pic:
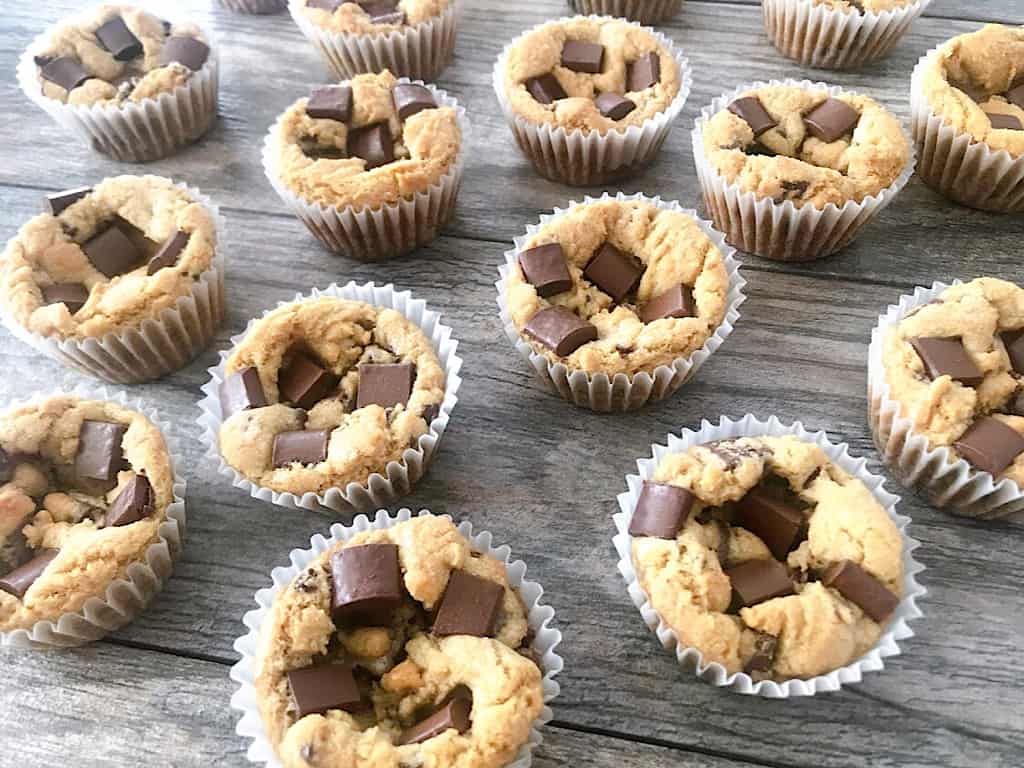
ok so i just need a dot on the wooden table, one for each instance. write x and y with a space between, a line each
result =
538 473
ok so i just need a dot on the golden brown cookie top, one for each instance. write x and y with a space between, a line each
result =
378 17
861 6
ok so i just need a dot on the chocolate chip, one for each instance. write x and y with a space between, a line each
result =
332 102
59 202
112 252
860 587
169 252
560 330
453 715
764 653
772 520
758 149
546 89
581 56
990 445
614 272
325 5
545 268
385 384
614 106
373 144
661 511
367 585
116 38
304 383
675 302
187 51
831 120
1004 122
470 606
1016 96
134 502
300 447
1014 343
316 690
241 391
792 190
71 295
643 73
65 71
18 581
411 99
755 581
752 111
100 456
947 357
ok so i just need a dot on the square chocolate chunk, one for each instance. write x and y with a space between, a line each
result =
411 99
643 73
1014 343
756 581
546 89
545 268
316 690
990 445
372 144
560 330
470 606
860 587
241 391
770 518
71 295
661 511
831 120
116 38
581 56
947 357
385 384
18 581
614 272
134 502
1004 122
300 447
112 252
367 585
752 111
187 51
59 202
66 72
332 102
454 715
676 302
304 383
169 252
100 456
614 106
1016 96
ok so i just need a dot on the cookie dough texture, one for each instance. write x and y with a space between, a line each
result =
943 409
42 507
989 62
818 630
673 249
112 81
340 335
426 146
539 52
48 250
871 6
352 19
506 685
807 170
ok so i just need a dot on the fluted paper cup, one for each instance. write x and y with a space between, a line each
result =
398 477
949 484
587 158
598 391
897 627
394 229
124 598
545 637
642 11
419 52
156 346
781 231
829 38
258 7
955 165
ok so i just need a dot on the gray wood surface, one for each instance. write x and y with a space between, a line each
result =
538 473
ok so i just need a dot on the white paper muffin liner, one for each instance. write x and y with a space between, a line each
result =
691 658
949 484
957 166
258 7
588 158
419 52
546 637
642 11
158 345
394 229
819 36
781 231
125 598
598 391
134 132
399 477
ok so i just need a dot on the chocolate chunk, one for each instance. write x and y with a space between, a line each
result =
614 106
100 456
947 357
385 384
326 5
545 268
560 329
367 585
134 502
431 412
1014 343
614 272
187 51
7 464
755 581
1004 122
831 120
990 445
315 690
771 519
303 383
644 72
661 511
71 295
42 60
59 202
1016 96
18 581
455 714
675 302
860 587
397 17
332 102
752 111
373 144
115 37
791 190
112 252
546 89
581 56
759 149
470 606
378 8
241 391
410 99
65 71
169 252
764 653
1017 406
300 447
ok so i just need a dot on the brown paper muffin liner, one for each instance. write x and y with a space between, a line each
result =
781 231
158 345
957 166
599 391
399 477
949 484
259 7
394 229
642 11
419 52
589 158
829 38
125 598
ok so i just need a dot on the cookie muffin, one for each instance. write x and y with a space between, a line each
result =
87 486
642 11
399 646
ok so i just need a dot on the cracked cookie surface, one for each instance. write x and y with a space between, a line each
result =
354 19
